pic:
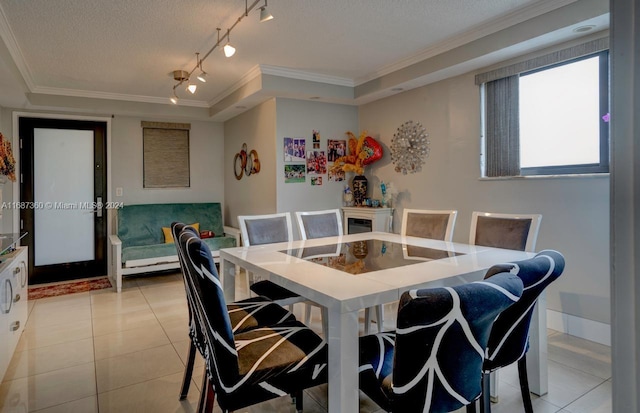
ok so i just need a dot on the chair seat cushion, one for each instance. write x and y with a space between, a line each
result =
256 312
276 360
271 290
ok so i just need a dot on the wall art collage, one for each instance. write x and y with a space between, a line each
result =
314 162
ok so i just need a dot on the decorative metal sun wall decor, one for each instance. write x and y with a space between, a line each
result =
409 147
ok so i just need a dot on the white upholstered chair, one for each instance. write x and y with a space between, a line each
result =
423 223
429 223
510 231
319 224
269 229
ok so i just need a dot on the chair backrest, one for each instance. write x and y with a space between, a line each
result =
440 341
429 223
194 331
212 315
265 229
509 337
510 231
319 224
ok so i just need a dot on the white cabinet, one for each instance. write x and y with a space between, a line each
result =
13 303
362 219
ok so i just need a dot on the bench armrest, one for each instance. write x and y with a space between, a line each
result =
234 232
115 275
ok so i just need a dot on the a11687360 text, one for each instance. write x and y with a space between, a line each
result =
90 206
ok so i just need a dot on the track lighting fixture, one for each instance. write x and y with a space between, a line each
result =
264 14
229 50
182 76
203 75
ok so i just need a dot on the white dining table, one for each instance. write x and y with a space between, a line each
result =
394 264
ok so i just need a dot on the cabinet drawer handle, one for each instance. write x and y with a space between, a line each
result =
16 271
15 326
8 294
24 276
16 298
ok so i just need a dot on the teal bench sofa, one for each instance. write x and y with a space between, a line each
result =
138 245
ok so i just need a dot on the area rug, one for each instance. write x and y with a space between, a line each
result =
68 287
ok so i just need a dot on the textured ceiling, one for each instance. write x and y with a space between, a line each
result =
126 50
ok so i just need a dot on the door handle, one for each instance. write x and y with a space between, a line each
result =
99 207
15 326
16 298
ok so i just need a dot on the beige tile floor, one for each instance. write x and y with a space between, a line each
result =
108 352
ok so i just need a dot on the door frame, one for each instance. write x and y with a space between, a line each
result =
16 186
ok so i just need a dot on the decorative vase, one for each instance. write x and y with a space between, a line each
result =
359 185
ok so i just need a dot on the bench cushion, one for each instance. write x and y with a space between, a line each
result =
142 224
136 253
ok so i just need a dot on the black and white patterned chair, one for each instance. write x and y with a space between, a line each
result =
244 315
254 366
509 339
433 361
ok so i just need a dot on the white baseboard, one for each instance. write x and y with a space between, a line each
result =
579 327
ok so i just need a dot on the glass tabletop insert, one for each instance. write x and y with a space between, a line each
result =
359 257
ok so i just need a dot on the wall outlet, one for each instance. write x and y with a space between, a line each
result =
118 191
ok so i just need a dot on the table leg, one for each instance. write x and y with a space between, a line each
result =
228 279
537 366
343 361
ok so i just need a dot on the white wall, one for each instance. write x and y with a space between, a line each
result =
264 128
255 194
206 143
575 210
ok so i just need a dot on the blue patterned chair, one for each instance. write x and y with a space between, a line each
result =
509 339
244 315
254 366
433 361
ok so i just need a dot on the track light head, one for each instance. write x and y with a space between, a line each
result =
229 50
203 75
192 87
265 16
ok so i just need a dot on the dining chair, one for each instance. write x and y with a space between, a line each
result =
422 223
244 315
509 338
433 361
246 368
319 224
268 229
429 223
510 231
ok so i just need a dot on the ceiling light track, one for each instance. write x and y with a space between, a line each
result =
182 76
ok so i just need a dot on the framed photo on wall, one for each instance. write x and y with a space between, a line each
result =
294 149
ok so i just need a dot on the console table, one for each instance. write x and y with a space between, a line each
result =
363 219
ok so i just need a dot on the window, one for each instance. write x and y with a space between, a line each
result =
541 117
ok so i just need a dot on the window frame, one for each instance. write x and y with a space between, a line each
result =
593 168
